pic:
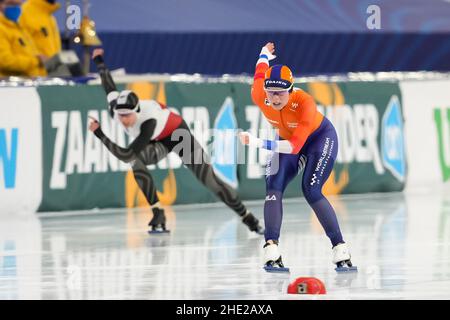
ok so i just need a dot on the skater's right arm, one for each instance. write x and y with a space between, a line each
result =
134 149
107 80
258 94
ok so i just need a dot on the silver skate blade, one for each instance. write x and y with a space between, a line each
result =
158 231
276 269
346 269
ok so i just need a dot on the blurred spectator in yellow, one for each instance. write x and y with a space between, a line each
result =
38 20
18 54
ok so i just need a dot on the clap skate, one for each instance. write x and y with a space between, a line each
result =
273 259
341 258
158 222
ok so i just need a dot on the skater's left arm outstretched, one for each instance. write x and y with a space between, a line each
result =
125 154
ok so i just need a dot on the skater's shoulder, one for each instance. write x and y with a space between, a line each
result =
301 101
149 103
300 95
152 104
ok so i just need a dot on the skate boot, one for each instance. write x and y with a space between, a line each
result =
272 258
341 257
252 223
158 222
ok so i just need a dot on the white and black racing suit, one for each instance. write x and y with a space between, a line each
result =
155 139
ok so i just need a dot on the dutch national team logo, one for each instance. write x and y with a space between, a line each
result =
392 140
225 148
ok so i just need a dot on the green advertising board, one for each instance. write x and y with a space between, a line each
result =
79 173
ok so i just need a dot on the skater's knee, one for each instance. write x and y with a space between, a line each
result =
216 185
211 181
312 193
274 195
137 163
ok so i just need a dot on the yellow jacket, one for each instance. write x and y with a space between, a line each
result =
38 20
18 54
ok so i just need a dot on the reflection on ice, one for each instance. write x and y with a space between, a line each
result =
399 242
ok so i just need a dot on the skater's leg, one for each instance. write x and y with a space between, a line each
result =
321 153
195 158
312 190
280 170
150 155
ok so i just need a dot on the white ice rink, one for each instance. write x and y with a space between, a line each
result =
400 243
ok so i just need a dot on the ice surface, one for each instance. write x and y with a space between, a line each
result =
400 243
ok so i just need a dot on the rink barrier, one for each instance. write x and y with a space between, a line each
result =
20 150
77 173
427 113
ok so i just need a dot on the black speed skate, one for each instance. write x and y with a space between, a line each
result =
158 222
252 223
